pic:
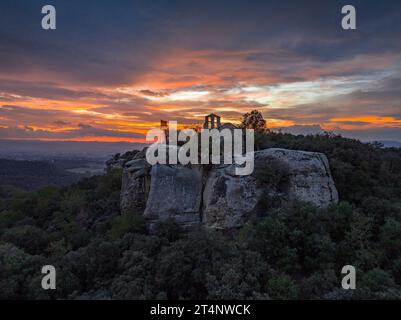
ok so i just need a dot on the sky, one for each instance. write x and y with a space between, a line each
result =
113 69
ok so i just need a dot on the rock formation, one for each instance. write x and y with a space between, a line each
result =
214 196
119 160
309 175
175 192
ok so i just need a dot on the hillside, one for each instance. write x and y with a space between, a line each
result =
292 250
30 175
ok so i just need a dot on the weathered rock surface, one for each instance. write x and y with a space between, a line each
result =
214 195
135 184
119 160
175 192
309 175
228 200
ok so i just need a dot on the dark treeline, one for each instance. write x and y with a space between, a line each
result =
290 251
30 175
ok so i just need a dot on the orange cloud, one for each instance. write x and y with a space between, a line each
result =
365 122
185 85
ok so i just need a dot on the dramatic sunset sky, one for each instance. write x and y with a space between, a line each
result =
113 69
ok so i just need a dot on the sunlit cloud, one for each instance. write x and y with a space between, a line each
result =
197 59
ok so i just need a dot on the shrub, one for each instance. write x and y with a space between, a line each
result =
282 287
127 223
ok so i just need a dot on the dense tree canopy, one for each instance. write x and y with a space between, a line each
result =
290 251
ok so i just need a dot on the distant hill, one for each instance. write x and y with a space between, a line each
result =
30 175
39 150
31 164
390 144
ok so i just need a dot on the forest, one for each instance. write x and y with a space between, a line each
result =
292 250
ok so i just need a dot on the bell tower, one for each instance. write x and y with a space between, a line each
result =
212 121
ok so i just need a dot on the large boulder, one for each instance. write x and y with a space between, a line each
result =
135 185
229 200
175 193
309 175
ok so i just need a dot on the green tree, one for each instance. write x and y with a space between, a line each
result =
253 120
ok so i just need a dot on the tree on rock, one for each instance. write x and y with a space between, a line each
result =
253 120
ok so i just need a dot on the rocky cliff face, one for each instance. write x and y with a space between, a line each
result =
175 192
215 196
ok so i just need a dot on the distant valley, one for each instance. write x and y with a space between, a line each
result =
29 165
29 175
45 150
